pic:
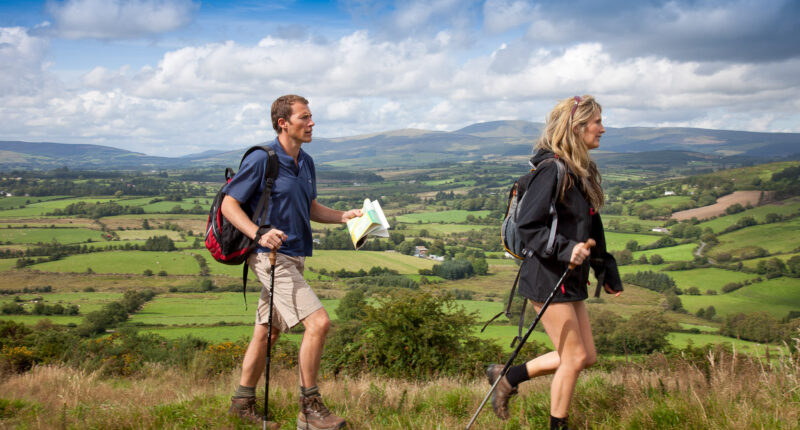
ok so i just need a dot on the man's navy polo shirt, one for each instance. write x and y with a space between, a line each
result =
290 205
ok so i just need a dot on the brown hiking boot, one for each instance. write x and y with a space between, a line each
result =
314 415
502 392
245 408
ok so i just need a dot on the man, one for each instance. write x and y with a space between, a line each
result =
292 205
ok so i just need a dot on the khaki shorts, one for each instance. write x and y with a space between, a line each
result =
294 300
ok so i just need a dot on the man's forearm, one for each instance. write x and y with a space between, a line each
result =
324 214
232 210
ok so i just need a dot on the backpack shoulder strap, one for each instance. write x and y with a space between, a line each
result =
270 174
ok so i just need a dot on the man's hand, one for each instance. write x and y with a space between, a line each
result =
273 239
352 213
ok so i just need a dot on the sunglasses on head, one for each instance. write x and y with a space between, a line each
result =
577 99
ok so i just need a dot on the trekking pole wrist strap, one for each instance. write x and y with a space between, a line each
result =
264 229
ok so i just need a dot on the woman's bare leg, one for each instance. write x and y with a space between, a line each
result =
561 322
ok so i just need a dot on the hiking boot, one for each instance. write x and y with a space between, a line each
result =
502 392
245 409
314 415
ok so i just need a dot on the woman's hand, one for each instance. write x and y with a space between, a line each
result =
610 291
579 253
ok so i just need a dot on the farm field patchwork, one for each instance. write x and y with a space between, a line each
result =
710 278
783 208
775 296
775 238
448 216
681 340
17 201
146 234
753 263
44 207
666 201
683 252
47 235
174 263
617 241
442 228
7 263
630 223
332 260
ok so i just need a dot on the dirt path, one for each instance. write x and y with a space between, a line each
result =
718 208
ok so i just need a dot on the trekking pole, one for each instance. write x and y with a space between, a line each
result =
272 257
589 243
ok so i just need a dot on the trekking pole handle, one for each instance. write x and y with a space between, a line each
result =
273 255
589 244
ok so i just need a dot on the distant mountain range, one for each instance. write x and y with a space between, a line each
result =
491 141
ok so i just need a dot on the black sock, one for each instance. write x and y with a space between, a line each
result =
558 423
517 375
243 391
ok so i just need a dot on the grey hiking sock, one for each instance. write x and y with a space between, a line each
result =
243 391
309 392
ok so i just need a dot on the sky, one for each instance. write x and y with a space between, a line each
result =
175 77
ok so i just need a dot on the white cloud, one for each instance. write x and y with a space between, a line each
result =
118 19
22 57
216 95
502 15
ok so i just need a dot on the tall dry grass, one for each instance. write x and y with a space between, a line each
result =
720 391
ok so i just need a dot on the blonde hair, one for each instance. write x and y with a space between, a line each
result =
563 136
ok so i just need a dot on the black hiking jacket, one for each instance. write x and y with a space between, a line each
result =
577 222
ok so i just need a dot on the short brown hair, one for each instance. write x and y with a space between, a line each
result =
282 108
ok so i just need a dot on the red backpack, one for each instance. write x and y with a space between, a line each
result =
225 242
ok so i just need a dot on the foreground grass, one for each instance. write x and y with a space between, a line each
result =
712 391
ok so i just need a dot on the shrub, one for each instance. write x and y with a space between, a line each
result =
410 334
16 359
655 281
159 243
454 269
643 333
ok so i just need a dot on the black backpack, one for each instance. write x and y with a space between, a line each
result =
512 240
225 242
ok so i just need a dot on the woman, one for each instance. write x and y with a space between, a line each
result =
573 128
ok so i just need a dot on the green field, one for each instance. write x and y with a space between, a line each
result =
775 238
7 263
146 234
631 223
667 202
683 252
353 261
708 278
681 340
449 216
753 264
87 302
41 208
786 207
47 235
174 263
17 201
217 334
440 228
167 217
775 296
617 241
